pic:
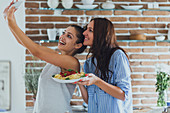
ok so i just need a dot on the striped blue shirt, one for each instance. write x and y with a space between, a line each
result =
101 102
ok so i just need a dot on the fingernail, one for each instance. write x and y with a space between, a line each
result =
75 82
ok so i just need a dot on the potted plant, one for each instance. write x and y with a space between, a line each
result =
31 80
162 84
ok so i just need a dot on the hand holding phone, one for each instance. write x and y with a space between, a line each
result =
16 4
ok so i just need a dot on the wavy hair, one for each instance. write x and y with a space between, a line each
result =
104 45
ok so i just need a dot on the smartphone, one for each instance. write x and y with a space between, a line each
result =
17 4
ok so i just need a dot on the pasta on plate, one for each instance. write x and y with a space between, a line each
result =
69 75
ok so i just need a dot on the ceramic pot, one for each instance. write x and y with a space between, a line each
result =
53 3
67 4
108 5
87 2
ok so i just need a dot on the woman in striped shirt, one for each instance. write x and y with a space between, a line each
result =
108 86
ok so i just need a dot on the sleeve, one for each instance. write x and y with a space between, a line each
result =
122 73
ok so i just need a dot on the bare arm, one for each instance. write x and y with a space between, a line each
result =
64 61
84 93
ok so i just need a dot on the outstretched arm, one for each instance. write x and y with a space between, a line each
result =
46 54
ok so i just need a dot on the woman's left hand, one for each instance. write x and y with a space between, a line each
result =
92 79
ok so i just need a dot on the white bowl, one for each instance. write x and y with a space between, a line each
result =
160 38
87 2
132 6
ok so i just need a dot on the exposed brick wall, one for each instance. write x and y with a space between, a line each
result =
143 54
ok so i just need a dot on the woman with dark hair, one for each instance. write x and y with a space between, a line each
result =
52 97
108 86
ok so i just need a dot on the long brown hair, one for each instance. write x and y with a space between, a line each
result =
104 45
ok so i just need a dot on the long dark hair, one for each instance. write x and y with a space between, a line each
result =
80 36
104 45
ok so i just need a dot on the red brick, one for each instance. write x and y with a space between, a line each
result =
148 31
74 19
164 56
32 19
28 97
156 13
62 25
133 50
143 56
134 63
163 44
121 31
148 101
50 44
32 32
33 26
38 12
135 76
163 19
142 19
144 95
135 89
122 43
136 102
92 12
73 12
153 0
31 5
141 43
127 13
54 19
155 50
149 76
152 62
152 25
125 0
29 104
118 19
143 69
76 102
148 89
126 25
76 97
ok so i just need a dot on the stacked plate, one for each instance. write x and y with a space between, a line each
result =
86 6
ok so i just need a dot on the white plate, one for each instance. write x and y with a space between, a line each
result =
167 8
86 6
132 6
68 81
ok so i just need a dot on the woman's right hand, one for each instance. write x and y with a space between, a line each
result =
6 10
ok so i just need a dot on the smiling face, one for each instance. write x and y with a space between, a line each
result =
67 41
89 34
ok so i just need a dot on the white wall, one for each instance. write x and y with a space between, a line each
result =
10 50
